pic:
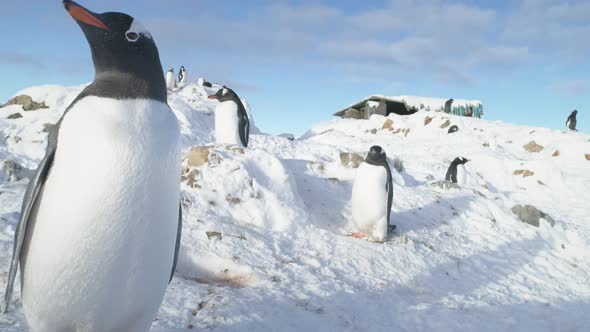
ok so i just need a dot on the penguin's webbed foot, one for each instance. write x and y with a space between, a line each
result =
358 235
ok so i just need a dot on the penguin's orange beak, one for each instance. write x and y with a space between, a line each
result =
213 97
81 14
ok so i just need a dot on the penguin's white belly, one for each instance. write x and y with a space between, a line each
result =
369 201
461 175
100 253
226 123
170 80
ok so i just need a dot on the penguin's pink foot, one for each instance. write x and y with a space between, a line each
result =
358 235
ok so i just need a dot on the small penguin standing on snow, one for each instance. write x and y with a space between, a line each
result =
170 79
457 172
182 75
372 195
231 120
97 239
571 121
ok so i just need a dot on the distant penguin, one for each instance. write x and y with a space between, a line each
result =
170 80
571 121
449 106
457 172
97 239
372 196
182 75
231 120
453 129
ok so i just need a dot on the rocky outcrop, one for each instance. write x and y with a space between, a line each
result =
388 124
531 215
453 129
26 102
532 146
351 160
446 185
445 124
12 172
556 153
427 120
524 172
197 156
587 156
15 116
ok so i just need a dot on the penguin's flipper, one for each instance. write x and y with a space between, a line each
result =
31 195
389 190
244 130
177 246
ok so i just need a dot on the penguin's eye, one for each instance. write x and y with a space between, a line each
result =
132 36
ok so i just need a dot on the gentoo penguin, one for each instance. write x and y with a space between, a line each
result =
231 120
571 121
448 106
99 230
372 195
182 75
170 80
456 172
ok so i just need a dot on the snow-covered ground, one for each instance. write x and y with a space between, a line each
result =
265 242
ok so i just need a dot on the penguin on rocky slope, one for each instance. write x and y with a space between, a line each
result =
99 231
456 172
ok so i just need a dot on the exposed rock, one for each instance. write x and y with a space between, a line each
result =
531 215
15 116
524 172
353 160
446 185
396 131
47 127
373 131
556 153
198 156
486 145
26 102
587 156
541 182
290 137
532 146
398 164
211 235
12 172
427 120
388 124
233 200
189 175
335 180
406 131
316 167
235 149
445 124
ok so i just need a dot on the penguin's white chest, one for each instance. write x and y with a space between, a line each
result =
227 123
101 250
461 175
170 80
369 201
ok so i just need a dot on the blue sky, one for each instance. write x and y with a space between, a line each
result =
297 62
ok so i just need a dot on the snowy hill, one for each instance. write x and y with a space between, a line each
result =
265 241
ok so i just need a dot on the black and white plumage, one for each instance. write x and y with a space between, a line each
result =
372 196
571 121
456 172
182 75
100 226
232 125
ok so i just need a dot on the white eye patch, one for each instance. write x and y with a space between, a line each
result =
224 92
135 31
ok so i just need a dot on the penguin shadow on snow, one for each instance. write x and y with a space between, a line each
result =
430 215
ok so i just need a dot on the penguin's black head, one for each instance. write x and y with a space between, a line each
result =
461 160
376 155
119 44
575 112
224 94
181 68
